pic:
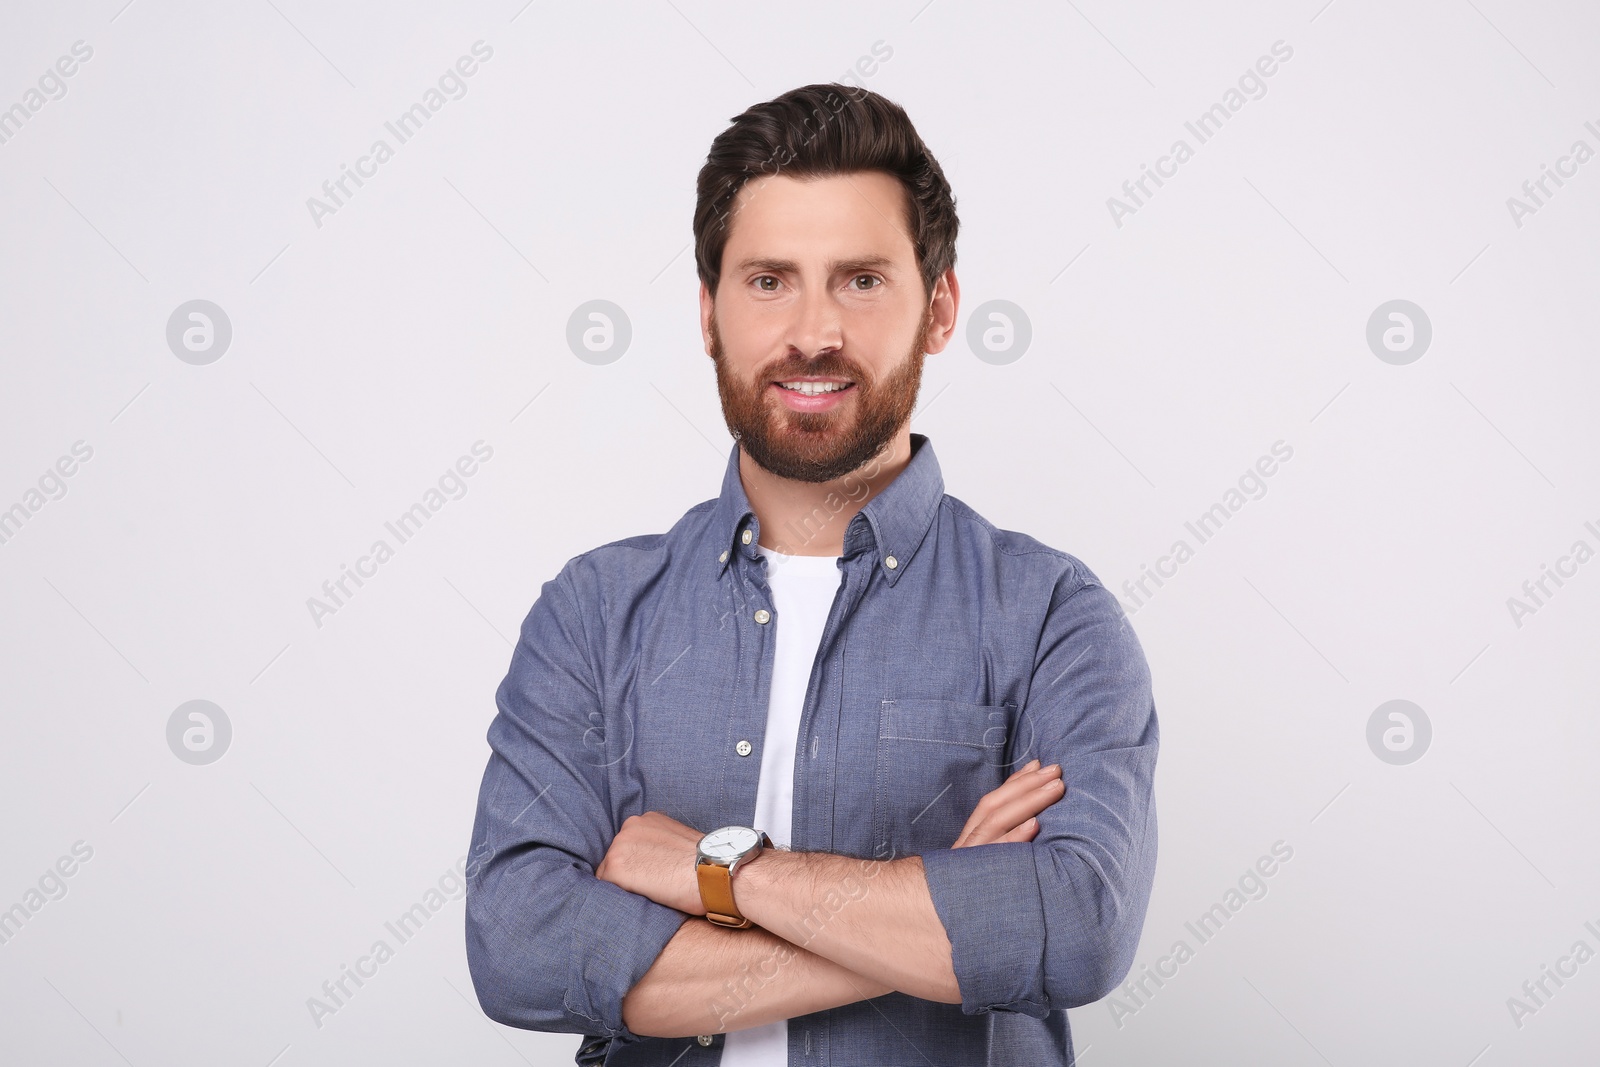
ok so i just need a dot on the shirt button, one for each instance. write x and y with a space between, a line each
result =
704 1039
747 536
763 616
743 748
724 557
890 562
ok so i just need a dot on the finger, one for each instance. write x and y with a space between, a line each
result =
1025 832
1018 785
1014 810
973 836
1003 825
1031 765
1021 782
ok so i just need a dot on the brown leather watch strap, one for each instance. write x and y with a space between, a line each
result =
716 892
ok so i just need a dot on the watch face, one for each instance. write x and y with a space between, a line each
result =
729 842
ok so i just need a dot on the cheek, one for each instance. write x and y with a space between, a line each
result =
882 348
745 351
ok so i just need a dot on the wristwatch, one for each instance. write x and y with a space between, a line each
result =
720 853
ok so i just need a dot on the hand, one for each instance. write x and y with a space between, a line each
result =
1006 813
653 855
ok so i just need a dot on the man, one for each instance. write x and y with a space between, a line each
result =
784 785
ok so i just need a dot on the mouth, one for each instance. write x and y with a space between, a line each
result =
814 386
813 394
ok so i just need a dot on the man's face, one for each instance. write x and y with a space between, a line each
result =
820 284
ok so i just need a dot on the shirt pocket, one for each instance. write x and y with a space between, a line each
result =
936 760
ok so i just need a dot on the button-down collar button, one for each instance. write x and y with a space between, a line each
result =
743 748
704 1039
890 562
763 616
724 557
746 536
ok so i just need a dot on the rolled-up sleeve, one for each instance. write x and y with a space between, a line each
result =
1054 922
550 946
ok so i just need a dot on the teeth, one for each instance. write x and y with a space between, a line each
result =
814 388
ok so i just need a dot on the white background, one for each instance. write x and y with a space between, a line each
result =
1168 353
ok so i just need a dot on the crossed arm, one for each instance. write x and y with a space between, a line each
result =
558 945
830 930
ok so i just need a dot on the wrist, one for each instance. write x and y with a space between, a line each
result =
720 861
751 876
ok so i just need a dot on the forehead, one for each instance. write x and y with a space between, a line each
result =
857 212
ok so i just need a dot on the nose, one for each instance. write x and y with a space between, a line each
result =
816 328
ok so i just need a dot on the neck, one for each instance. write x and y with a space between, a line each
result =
809 518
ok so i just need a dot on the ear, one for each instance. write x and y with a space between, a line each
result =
707 308
946 303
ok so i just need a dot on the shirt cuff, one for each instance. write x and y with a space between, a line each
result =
616 938
988 898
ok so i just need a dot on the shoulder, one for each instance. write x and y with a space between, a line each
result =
630 562
1020 555
1055 590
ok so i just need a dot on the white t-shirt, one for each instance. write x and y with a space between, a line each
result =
803 588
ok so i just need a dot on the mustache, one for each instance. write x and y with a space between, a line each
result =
821 367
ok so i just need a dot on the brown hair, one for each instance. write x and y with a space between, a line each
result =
817 131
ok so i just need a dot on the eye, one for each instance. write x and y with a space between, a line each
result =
765 278
869 277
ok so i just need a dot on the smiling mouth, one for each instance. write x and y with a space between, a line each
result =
804 387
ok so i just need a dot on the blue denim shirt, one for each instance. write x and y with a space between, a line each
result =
955 652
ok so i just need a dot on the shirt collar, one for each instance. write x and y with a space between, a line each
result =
892 525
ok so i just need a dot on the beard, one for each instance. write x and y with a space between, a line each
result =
819 446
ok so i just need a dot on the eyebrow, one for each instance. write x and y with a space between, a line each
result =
789 266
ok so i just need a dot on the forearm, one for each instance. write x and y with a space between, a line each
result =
709 979
873 917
